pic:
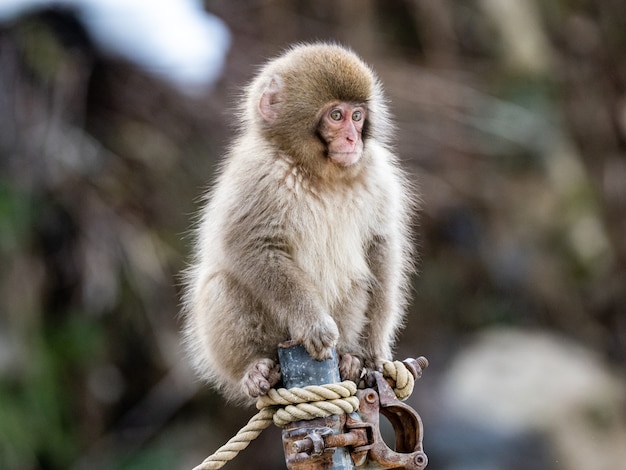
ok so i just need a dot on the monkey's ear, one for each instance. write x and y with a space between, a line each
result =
270 101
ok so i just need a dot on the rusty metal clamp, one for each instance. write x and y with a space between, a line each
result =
406 423
354 440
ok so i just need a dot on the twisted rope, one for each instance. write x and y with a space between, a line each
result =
314 401
239 441
402 377
283 406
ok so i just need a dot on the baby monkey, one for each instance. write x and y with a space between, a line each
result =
305 235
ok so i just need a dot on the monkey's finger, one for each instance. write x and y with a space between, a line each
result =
318 351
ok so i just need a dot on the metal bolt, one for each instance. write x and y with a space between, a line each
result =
420 459
302 445
416 366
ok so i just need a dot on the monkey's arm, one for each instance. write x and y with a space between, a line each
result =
262 261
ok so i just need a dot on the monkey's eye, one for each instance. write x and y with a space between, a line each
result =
335 115
357 116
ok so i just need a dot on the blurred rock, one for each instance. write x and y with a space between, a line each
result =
529 399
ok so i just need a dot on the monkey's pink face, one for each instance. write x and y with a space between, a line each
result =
341 128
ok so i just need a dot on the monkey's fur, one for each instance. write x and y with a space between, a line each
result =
292 246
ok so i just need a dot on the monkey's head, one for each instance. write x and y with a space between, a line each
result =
320 104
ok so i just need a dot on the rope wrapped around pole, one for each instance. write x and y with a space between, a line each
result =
283 406
313 401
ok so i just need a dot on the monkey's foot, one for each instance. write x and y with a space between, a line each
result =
260 376
350 367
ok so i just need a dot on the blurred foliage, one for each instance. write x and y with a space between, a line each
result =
511 115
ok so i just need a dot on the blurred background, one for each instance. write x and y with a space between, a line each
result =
511 119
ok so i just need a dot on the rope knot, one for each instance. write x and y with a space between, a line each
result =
403 380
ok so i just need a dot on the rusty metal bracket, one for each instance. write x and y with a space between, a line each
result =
406 423
363 436
352 441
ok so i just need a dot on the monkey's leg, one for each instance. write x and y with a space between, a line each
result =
384 311
350 367
351 321
241 337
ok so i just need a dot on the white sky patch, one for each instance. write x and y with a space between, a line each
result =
173 39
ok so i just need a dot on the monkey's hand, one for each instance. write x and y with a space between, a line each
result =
319 338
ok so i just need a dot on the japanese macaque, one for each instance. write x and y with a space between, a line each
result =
305 235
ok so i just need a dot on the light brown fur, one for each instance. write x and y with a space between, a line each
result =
292 245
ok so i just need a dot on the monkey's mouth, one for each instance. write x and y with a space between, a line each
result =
344 158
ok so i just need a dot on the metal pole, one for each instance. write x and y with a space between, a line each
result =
298 369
